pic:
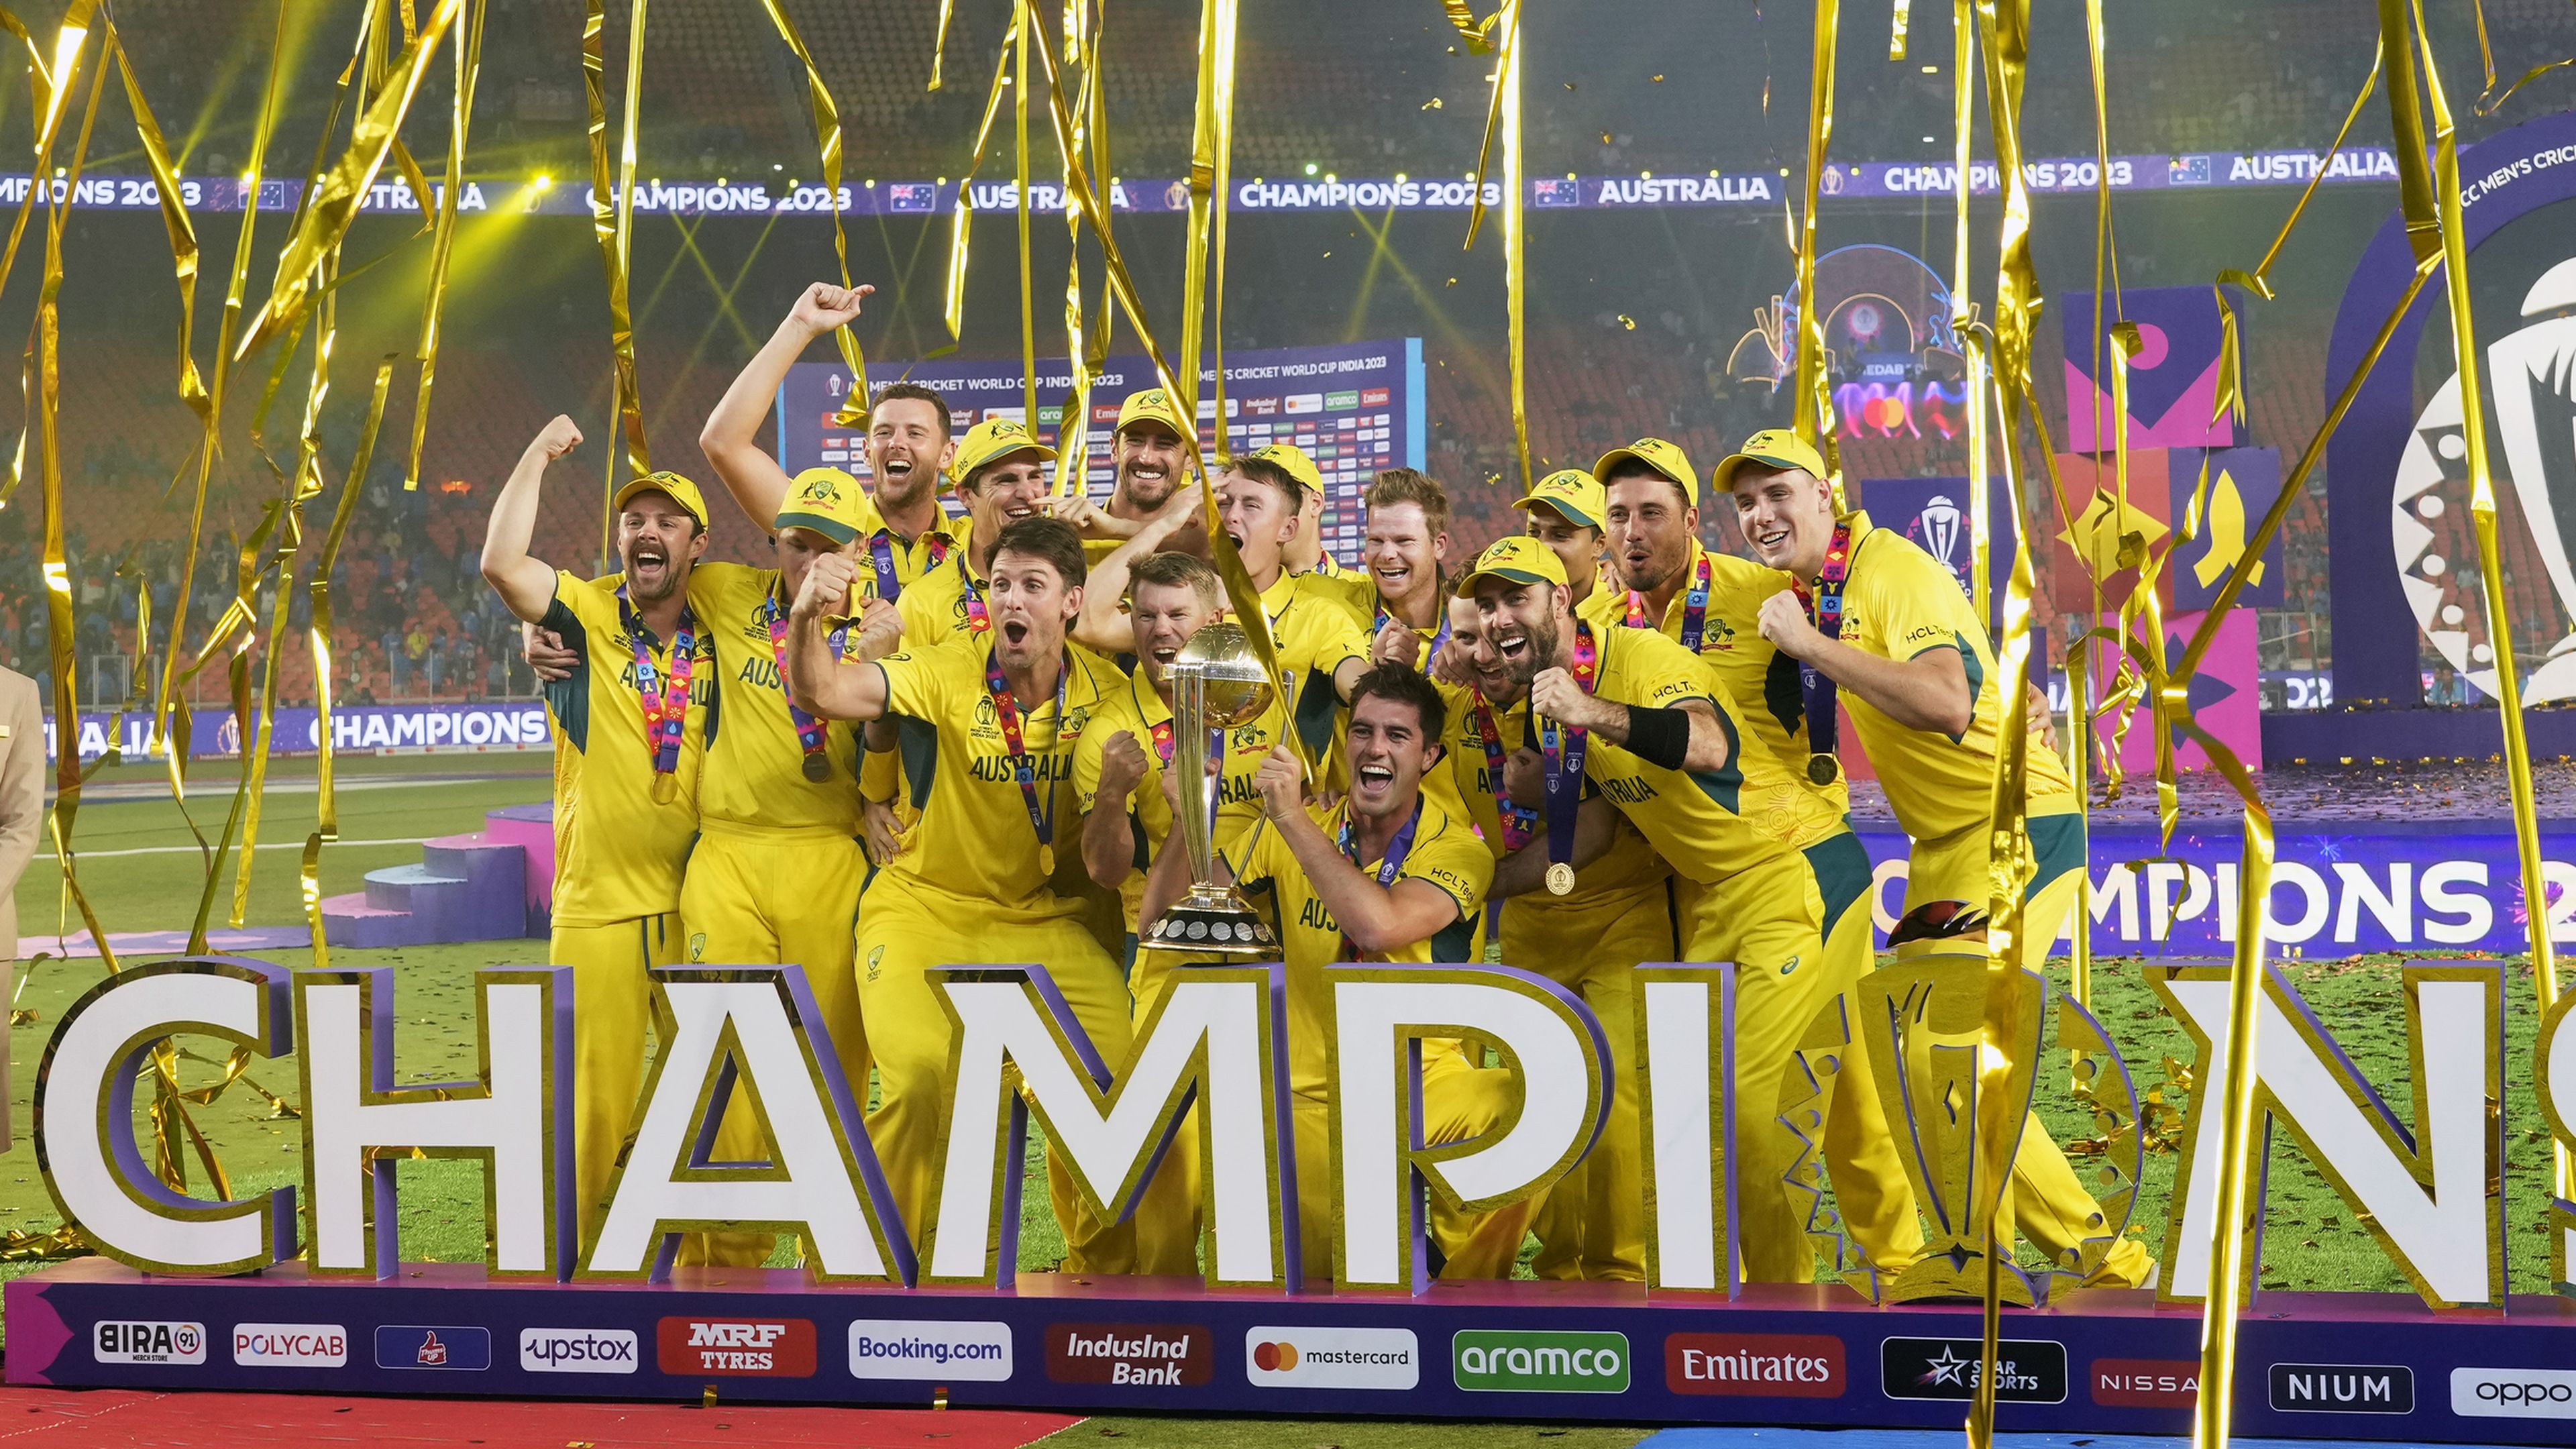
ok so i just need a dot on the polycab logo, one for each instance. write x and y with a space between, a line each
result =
128 1342
420 1346
2513 1393
2146 1383
1167 1354
290 1345
781 1348
577 1351
2342 1388
1331 1358
1765 1365
949 1352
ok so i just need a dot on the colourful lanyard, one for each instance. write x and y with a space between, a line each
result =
1561 750
881 552
666 708
1519 822
810 732
978 620
1006 712
1694 608
1389 867
1385 618
1815 687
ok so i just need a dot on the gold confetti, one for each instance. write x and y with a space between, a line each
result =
1432 104
1658 80
1605 139
1453 281
1569 85
1627 321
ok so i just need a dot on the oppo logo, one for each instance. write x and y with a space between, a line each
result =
2513 1393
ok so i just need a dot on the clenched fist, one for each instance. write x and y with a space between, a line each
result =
1122 764
1784 622
557 438
827 587
824 306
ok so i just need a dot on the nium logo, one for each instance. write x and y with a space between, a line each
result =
1539 1361
1277 1357
2342 1388
577 1351
2513 1393
2146 1383
2027 1370
751 1347
290 1345
1164 1354
421 1346
132 1342
1766 1365
960 1351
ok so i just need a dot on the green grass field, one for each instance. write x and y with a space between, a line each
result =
142 872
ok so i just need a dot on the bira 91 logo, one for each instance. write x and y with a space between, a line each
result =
1764 1365
778 1348
1171 1354
2027 1370
120 1342
2146 1383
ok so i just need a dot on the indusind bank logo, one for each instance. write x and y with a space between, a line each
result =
1171 1354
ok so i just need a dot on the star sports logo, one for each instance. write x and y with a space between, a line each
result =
2027 1371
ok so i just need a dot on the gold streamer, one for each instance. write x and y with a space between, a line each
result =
1898 21
469 66
2487 104
1211 142
1477 33
1515 237
961 221
1806 412
1024 26
174 218
1963 310
1073 425
611 225
827 141
327 807
939 42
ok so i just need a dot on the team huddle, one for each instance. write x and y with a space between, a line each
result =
921 741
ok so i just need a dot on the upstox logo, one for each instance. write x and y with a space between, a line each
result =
1538 1361
577 1351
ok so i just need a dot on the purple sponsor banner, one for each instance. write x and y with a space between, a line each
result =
1934 513
2173 379
504 724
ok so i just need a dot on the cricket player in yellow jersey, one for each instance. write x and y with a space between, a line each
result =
631 725
1000 468
1399 597
1614 914
1305 553
1384 874
992 872
1888 631
1567 512
1781 898
1149 461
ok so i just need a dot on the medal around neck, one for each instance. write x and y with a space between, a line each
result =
1560 879
818 768
1823 769
1217 683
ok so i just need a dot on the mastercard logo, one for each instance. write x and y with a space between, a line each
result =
1274 1358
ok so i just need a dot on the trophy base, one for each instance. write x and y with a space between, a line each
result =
1216 925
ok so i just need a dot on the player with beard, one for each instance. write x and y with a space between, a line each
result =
1000 468
991 721
630 738
1908 657
1784 899
1399 595
1590 939
1382 875
1322 652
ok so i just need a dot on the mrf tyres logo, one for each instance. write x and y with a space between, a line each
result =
965 1351
2027 1370
2342 1388
1539 1361
577 1351
130 1342
780 1348
1163 1354
1303 1357
1764 1365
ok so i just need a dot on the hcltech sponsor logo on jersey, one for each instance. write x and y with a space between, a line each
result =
2342 1388
1331 1358
1536 1361
290 1345
577 1351
950 1352
2027 1370
1167 1354
421 1346
2513 1393
128 1342
1766 1365
779 1348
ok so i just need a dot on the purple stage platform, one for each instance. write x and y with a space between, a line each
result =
493 884
2347 1367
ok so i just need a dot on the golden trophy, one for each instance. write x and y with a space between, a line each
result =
1217 683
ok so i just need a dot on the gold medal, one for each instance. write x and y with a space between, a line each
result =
666 787
1046 861
1822 769
1560 879
818 768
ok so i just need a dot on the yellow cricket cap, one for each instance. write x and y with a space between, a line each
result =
1153 405
1519 559
826 500
1289 459
682 491
992 440
1772 448
1665 458
1570 491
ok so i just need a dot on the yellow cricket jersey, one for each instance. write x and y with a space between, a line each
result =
1314 635
907 558
975 838
1140 710
1900 603
1444 852
1709 825
1762 680
934 607
618 853
755 765
1630 861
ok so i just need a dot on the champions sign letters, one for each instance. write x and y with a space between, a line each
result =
307 1286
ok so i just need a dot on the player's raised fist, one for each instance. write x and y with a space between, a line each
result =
827 586
558 437
1783 621
824 306
1282 783
1122 764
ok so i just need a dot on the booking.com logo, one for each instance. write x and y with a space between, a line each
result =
2513 1393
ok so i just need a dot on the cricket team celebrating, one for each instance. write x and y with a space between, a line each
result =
922 740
